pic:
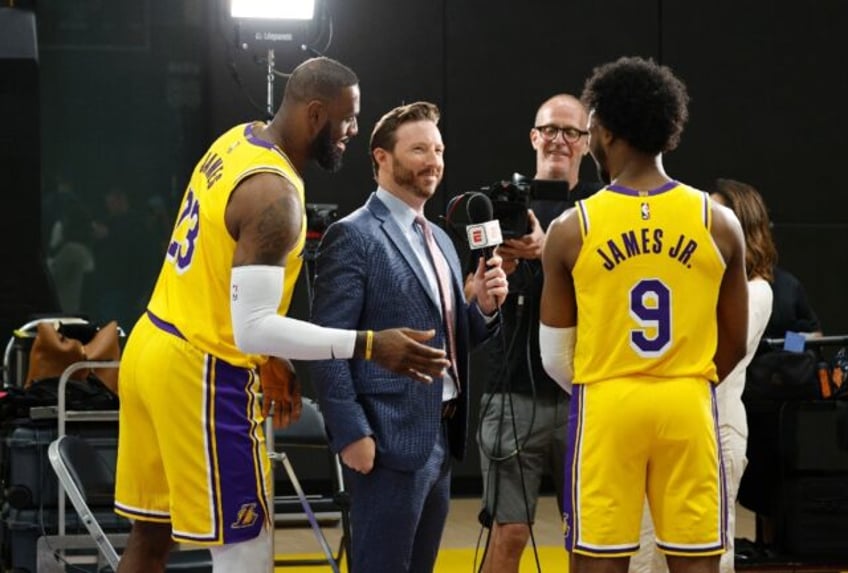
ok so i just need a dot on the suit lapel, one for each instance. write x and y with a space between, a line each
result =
398 238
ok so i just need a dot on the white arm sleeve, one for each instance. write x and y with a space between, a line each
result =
557 348
256 291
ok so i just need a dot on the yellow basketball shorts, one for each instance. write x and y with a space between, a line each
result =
636 436
191 450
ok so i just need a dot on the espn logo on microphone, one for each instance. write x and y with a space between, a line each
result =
484 235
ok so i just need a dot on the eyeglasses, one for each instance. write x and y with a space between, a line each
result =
570 134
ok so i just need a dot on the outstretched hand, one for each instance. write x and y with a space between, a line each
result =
402 351
281 392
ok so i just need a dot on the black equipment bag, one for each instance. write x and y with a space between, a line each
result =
781 375
811 510
777 378
812 517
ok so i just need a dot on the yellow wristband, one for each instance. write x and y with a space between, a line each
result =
369 343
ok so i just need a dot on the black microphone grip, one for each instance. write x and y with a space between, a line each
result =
479 210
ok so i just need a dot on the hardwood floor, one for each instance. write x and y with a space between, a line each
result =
458 549
462 529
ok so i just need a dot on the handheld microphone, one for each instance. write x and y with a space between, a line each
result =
484 232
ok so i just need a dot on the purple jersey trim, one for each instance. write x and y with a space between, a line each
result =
239 449
164 325
234 449
585 218
697 551
570 506
634 193
616 551
252 139
724 517
210 389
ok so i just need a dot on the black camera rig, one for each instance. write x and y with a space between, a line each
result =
319 216
511 200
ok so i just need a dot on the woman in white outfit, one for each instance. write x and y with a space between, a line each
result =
760 257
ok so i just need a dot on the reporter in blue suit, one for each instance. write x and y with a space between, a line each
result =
375 269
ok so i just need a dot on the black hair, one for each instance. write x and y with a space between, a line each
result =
639 101
318 78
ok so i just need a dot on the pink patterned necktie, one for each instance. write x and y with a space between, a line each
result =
440 265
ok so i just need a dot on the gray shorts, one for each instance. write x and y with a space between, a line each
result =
542 452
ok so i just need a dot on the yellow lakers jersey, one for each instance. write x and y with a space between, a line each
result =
192 291
646 283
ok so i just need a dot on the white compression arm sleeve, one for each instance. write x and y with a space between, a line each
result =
256 291
557 348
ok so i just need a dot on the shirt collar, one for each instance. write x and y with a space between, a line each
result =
402 213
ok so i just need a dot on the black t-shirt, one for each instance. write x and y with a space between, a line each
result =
790 308
509 354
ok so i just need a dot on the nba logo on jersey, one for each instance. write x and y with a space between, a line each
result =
246 517
646 211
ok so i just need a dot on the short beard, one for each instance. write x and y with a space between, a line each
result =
325 152
406 178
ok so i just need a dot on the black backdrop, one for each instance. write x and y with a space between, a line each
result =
765 81
25 288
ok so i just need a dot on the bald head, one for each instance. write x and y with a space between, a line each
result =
559 138
318 79
558 101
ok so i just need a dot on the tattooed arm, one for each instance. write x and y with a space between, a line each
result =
264 216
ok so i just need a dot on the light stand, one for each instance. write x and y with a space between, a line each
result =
271 29
269 106
255 31
268 25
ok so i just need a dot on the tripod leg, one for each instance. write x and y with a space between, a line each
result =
310 515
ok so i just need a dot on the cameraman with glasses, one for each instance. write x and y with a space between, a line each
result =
522 405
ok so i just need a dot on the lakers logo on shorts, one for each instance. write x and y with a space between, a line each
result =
247 516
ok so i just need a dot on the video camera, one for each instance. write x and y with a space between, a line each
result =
319 216
511 200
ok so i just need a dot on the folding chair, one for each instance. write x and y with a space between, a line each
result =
16 359
86 478
308 432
